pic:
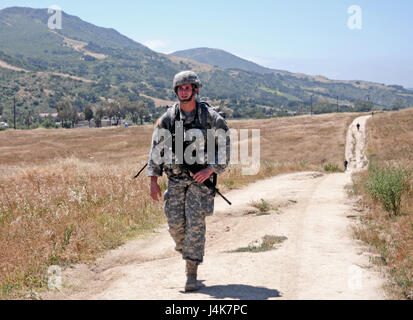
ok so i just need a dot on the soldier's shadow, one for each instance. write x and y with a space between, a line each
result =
238 291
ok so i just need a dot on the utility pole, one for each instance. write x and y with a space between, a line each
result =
14 111
337 104
311 113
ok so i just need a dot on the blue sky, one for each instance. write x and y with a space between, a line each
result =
311 37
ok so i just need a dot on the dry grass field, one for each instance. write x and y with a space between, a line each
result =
390 145
67 196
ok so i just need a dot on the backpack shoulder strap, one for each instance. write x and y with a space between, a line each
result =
204 115
173 115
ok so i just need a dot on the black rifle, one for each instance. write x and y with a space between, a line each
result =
140 171
195 168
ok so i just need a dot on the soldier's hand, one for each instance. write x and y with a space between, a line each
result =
156 193
202 175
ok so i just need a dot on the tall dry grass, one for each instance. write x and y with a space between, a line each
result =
315 140
68 211
68 195
390 232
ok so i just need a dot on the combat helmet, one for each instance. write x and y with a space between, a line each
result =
186 77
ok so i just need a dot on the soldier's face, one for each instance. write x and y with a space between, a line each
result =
185 91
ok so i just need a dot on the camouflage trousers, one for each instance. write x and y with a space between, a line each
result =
187 203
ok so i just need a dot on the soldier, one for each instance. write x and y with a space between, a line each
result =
187 200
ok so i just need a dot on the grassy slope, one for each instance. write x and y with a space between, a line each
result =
390 142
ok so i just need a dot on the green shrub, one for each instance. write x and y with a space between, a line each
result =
48 124
332 167
268 166
263 205
268 243
388 185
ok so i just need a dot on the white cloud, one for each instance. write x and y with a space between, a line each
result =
157 45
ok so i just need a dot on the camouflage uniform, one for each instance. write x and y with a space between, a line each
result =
188 202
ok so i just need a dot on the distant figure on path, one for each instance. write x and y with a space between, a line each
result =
358 126
345 165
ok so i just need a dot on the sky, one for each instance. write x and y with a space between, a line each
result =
340 39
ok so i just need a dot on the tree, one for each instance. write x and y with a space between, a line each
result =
99 113
88 113
122 111
73 115
136 111
397 105
363 106
131 109
67 112
48 122
112 110
142 110
27 118
63 111
322 106
1 110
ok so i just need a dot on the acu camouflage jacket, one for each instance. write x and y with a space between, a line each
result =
205 118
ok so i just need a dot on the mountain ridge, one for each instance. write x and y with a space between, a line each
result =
223 59
209 56
71 23
121 68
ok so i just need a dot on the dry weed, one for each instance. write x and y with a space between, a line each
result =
390 137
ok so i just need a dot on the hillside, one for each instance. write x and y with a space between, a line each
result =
325 87
86 64
221 59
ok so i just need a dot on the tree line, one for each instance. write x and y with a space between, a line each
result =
115 110
68 114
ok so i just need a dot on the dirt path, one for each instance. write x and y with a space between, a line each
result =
79 46
356 144
317 258
5 65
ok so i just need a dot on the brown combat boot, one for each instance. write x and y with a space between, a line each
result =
191 274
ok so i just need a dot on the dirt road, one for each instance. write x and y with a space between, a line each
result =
315 257
356 144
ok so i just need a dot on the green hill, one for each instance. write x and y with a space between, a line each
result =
85 64
319 86
221 59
